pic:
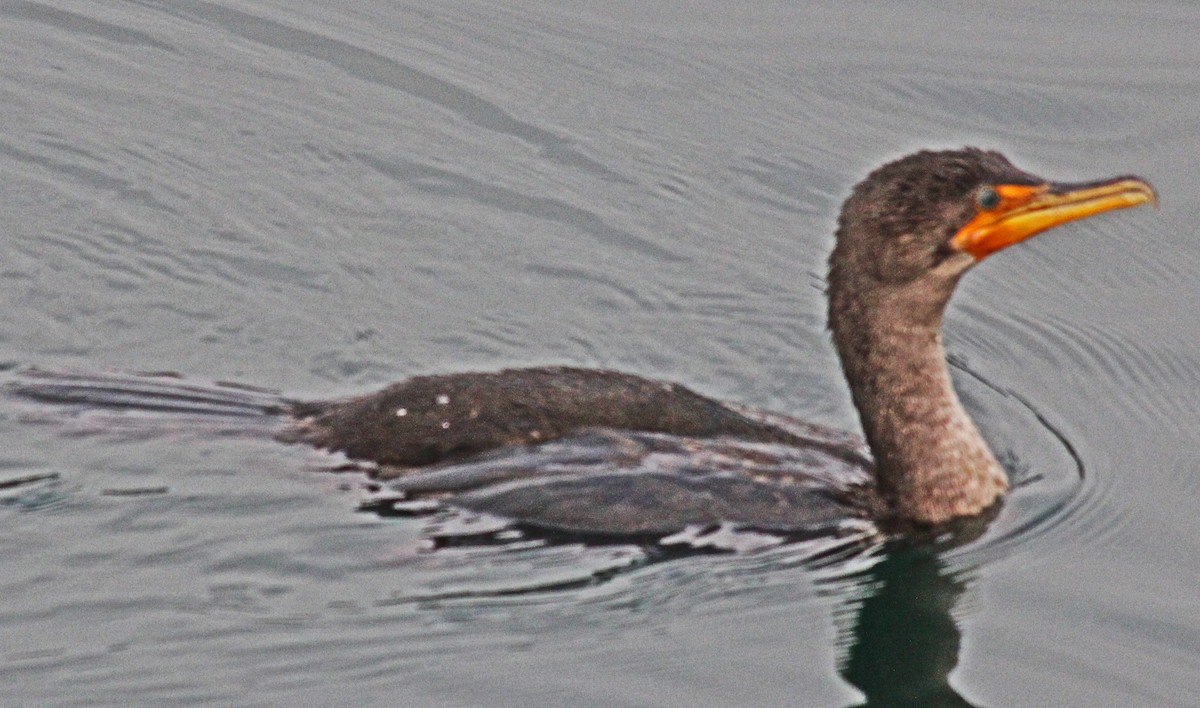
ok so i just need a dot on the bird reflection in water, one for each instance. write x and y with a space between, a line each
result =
905 641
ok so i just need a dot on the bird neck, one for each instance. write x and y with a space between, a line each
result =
931 463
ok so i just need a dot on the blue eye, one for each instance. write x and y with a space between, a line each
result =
988 198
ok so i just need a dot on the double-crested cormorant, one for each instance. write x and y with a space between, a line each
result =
595 451
905 236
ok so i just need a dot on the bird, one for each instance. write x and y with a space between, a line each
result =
592 451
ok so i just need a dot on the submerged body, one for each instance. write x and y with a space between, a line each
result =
591 451
601 452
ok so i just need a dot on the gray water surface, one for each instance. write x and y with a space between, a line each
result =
323 200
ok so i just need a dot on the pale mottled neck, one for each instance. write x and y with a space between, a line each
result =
932 464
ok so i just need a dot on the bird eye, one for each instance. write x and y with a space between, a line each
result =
988 198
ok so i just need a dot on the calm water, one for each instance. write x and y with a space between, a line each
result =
324 200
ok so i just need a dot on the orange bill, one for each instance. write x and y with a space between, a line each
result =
1025 210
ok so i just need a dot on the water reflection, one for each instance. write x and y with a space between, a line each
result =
905 641
900 648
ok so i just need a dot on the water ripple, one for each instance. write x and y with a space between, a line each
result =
376 68
74 23
446 183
